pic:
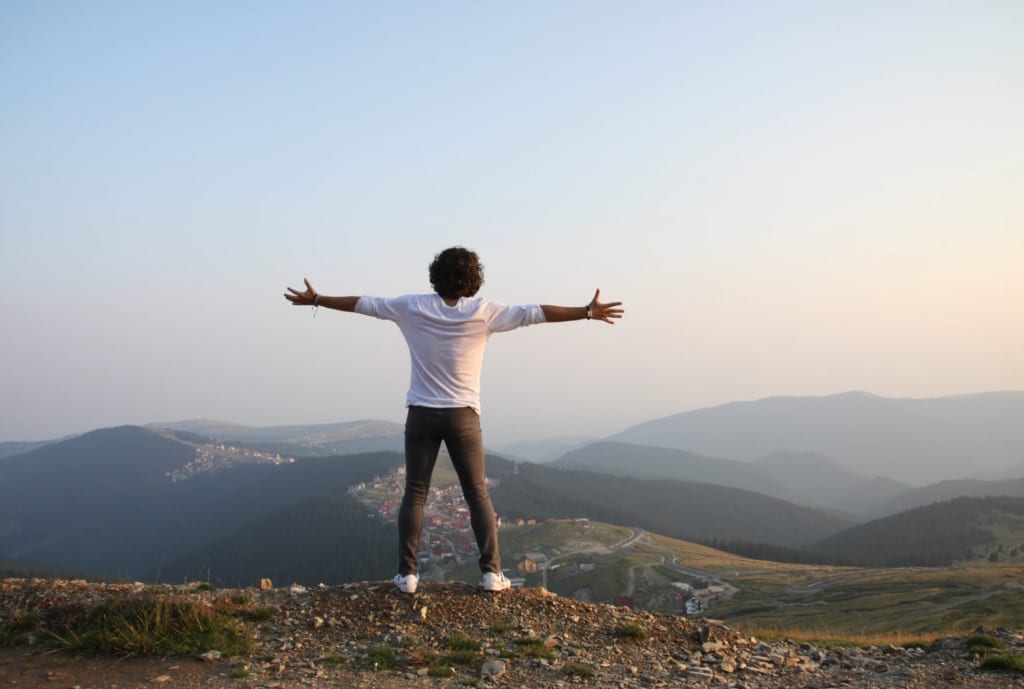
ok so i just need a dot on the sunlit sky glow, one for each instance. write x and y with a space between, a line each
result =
791 198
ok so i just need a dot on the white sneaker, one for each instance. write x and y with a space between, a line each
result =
495 581
406 584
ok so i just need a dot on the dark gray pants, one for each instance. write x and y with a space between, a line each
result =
425 429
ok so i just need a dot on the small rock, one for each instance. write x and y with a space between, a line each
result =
492 668
266 585
161 679
699 673
296 589
210 656
318 622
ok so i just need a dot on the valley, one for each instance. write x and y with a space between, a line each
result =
631 567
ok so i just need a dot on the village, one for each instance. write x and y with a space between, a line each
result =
212 458
447 544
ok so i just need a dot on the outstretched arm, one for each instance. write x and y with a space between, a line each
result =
311 297
594 310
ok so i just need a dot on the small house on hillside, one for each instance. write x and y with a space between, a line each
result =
526 565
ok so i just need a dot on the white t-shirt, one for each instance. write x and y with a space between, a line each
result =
446 343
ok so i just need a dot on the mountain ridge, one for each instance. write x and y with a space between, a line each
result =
916 441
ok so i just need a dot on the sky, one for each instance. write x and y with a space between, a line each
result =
790 198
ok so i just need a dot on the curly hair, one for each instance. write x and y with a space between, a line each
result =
456 272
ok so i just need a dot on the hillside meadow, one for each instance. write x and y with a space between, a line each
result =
813 601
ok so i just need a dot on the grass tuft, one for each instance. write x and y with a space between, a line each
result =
527 647
259 614
441 671
579 670
1013 662
463 657
153 625
381 657
984 644
15 629
499 628
458 642
633 631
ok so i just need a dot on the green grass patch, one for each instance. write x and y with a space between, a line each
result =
912 601
463 657
1012 662
500 628
153 625
459 642
441 671
527 641
527 647
335 661
633 631
14 630
239 671
381 657
259 614
984 644
580 670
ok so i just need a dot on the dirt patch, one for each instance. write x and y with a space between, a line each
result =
33 669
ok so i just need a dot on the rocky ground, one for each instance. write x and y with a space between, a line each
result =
453 635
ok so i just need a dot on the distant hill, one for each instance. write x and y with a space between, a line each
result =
685 510
103 503
934 535
944 491
325 539
546 450
802 478
811 478
351 437
9 449
648 462
917 441
27 570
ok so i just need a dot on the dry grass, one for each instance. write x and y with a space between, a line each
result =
830 638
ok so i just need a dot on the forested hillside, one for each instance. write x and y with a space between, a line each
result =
690 511
934 535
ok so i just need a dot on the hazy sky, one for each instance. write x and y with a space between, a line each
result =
790 198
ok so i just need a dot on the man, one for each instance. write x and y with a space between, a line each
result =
447 332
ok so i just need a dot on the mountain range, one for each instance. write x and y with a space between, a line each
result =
802 478
346 438
915 441
110 502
